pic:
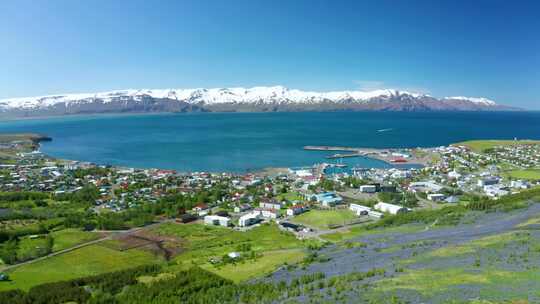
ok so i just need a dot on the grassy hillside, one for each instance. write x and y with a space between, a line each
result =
482 145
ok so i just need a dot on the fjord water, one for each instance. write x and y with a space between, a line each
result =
240 142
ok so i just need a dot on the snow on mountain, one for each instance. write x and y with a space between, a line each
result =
275 94
260 99
476 100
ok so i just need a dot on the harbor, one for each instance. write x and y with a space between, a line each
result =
404 156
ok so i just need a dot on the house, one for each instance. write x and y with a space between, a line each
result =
359 209
269 214
242 208
519 184
296 209
326 199
217 220
249 219
390 208
436 197
234 255
368 188
272 205
201 209
495 191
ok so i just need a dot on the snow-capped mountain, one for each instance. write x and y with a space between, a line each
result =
276 98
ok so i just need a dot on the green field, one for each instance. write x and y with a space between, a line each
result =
255 268
201 242
289 196
482 145
324 219
90 260
67 238
530 174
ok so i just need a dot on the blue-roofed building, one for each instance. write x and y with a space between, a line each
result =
326 199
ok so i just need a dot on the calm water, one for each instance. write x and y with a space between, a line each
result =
249 141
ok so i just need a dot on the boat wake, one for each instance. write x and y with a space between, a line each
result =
385 130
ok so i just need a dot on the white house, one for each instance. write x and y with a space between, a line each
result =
269 214
519 184
249 219
217 220
296 209
368 188
270 205
390 208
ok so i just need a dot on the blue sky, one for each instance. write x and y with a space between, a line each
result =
472 48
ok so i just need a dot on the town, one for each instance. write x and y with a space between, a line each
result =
453 175
239 226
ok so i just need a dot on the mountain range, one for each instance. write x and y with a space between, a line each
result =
256 99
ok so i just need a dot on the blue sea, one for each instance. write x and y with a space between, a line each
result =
240 142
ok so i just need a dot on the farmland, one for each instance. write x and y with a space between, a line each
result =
90 260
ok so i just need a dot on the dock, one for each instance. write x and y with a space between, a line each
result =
329 148
345 155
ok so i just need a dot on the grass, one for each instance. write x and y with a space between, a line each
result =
358 231
530 174
67 238
491 283
204 242
261 266
482 145
323 219
290 196
86 261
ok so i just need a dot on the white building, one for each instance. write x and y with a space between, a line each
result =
425 187
519 184
249 219
269 214
454 175
368 188
436 197
217 220
488 181
375 214
295 210
390 208
270 205
359 209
